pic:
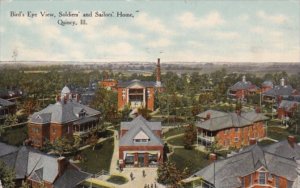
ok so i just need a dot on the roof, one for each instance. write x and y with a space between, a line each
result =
70 178
287 105
5 103
221 120
243 85
136 82
66 90
267 83
135 127
228 171
62 113
280 90
28 162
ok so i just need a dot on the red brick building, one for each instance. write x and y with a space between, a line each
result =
140 143
230 129
287 109
276 165
242 89
109 84
65 118
138 93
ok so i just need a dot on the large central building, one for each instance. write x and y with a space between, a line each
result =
139 94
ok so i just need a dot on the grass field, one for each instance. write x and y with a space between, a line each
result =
177 141
279 133
194 160
99 159
14 136
173 132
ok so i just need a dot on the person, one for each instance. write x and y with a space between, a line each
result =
144 173
131 176
155 185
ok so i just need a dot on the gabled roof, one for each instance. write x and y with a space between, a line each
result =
61 112
132 82
221 120
134 127
243 85
226 173
267 83
5 103
280 90
28 162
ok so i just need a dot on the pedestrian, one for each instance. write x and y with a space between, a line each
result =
151 185
155 185
144 173
145 186
131 176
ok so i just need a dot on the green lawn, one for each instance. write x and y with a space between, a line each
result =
14 136
99 159
117 179
174 131
194 160
177 141
279 133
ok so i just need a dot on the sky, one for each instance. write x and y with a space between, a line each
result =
174 30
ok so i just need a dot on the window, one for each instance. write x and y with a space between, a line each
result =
236 129
276 179
141 140
236 139
262 178
250 179
243 182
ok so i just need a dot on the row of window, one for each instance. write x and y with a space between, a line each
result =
236 129
262 180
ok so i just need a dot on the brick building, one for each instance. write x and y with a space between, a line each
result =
287 108
230 129
138 93
242 89
273 166
109 84
65 118
40 170
279 92
140 143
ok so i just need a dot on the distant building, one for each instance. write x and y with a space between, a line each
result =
39 169
242 89
287 108
276 165
279 92
230 129
266 86
138 93
6 108
109 84
10 94
140 143
65 118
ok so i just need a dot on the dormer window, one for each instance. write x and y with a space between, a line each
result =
141 137
82 114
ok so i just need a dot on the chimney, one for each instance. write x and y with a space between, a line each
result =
282 82
257 110
57 98
252 141
158 74
62 164
292 140
207 116
77 97
212 157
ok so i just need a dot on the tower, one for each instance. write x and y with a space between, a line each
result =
158 74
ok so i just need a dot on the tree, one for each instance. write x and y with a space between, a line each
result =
11 120
190 136
166 151
93 140
6 176
169 175
25 184
62 145
144 112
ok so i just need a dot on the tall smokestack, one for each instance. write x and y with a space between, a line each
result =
282 82
158 80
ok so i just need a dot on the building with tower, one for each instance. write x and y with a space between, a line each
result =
138 94
65 118
242 89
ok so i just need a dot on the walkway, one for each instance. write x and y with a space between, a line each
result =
115 157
